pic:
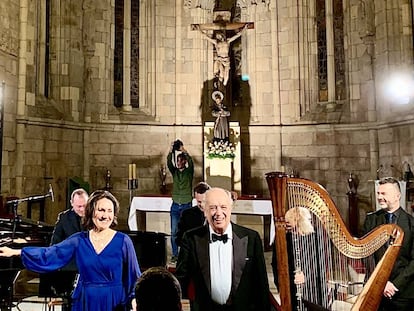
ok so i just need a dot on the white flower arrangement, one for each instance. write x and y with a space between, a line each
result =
220 149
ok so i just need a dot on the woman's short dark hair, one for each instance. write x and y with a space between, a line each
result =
91 204
158 290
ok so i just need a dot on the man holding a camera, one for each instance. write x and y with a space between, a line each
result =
181 166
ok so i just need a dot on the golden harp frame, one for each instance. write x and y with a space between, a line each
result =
313 196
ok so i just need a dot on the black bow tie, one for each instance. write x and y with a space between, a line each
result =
215 237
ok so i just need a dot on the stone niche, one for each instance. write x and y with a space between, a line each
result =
218 172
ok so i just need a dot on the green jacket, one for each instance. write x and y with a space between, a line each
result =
182 180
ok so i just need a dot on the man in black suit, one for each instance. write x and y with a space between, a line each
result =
68 222
221 265
193 217
399 290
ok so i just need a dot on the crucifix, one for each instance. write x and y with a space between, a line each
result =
222 134
221 42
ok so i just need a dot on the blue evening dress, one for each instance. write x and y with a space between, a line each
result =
106 280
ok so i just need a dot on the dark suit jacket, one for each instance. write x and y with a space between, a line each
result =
250 288
190 218
402 274
68 223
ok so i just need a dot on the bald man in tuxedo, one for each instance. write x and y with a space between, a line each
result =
221 265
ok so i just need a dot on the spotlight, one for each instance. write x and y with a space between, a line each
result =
399 88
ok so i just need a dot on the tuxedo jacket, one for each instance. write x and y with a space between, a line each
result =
68 223
190 218
250 288
402 274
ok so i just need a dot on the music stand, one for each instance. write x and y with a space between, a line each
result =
57 284
7 279
150 248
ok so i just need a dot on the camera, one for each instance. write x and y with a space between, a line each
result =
177 145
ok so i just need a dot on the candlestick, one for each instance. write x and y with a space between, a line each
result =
108 185
129 171
134 171
132 184
163 176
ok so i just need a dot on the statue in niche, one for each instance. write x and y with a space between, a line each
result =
366 24
221 66
220 112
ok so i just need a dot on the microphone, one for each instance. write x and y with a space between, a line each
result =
52 197
35 197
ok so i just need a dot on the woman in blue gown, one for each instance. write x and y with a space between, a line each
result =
106 259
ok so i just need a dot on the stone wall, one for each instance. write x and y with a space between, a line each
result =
76 130
9 43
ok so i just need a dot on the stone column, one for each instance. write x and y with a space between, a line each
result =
21 96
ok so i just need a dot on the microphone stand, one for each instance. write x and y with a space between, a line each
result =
16 202
15 218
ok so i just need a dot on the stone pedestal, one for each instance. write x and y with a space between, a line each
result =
220 173
225 173
221 167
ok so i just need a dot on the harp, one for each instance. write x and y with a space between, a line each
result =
329 256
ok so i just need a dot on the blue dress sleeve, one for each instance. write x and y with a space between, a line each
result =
131 271
46 259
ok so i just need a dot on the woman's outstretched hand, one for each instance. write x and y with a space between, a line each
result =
9 252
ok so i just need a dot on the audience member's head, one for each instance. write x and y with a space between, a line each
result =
199 193
158 290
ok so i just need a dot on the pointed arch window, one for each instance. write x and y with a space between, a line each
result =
42 47
331 55
126 54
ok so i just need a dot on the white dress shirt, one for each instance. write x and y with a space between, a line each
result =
221 267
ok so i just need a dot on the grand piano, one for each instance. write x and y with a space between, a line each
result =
16 233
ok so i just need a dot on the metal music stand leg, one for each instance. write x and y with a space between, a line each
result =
57 284
7 280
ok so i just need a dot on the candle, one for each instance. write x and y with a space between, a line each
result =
282 168
129 171
134 171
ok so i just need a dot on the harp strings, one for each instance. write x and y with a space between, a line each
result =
332 280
